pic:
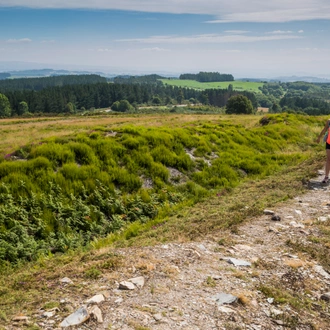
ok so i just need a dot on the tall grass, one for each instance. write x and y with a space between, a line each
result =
64 192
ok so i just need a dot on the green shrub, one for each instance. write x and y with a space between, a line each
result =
57 153
84 154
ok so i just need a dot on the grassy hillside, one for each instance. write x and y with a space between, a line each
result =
136 181
237 85
59 193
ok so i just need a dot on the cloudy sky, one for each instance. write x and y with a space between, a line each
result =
247 38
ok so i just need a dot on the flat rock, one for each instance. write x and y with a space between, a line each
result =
138 281
157 317
66 280
238 262
125 285
269 212
96 299
21 318
226 310
321 271
224 298
80 316
96 313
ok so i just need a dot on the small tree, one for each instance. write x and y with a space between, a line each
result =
23 108
180 96
5 110
239 104
115 106
70 108
124 106
275 108
156 100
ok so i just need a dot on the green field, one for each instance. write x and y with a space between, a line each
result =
237 84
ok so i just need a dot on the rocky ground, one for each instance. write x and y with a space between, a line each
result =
249 279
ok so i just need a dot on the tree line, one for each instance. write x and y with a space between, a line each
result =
147 79
207 77
69 98
38 84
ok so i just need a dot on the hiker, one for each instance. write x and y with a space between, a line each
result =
326 139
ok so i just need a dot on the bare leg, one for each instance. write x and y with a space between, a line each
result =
327 164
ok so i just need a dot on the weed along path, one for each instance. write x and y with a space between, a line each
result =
271 272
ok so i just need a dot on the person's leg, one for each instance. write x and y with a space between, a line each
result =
327 164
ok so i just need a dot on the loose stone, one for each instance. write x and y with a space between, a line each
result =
126 285
78 317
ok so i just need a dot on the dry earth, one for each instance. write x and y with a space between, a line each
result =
182 280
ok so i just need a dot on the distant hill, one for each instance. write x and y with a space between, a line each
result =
289 79
38 73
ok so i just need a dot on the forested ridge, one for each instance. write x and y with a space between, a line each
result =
38 84
67 99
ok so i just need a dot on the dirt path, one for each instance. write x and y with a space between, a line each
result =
281 289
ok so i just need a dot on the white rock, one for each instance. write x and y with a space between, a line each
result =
96 299
138 281
238 262
96 313
269 212
298 212
125 285
226 310
119 300
78 317
157 317
66 280
321 271
270 300
48 314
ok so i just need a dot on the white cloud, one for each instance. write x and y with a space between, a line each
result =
18 41
301 31
223 10
207 38
280 32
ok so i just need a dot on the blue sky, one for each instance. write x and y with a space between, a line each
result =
248 38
